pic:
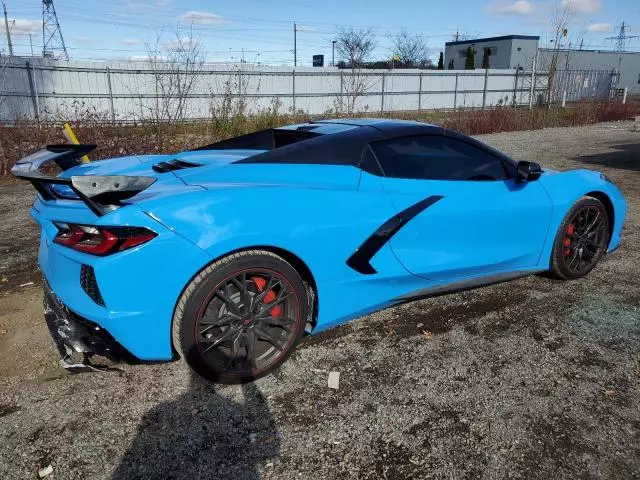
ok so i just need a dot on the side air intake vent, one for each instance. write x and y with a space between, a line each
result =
89 284
164 167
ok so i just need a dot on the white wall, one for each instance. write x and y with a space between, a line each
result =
70 89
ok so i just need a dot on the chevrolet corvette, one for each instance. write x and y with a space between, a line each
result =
228 254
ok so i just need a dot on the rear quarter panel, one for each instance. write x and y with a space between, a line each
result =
322 226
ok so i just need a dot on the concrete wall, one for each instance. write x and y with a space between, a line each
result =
498 59
506 52
523 52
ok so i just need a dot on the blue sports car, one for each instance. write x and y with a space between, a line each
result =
226 255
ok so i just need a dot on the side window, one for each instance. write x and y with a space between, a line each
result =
437 157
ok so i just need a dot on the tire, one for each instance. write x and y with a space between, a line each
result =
241 317
575 254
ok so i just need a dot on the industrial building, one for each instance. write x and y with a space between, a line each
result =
626 63
515 51
510 51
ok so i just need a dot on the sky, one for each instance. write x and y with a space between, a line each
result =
261 31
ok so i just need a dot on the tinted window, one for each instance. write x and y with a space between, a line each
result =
438 157
343 148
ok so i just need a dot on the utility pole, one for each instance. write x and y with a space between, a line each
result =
295 45
333 53
6 26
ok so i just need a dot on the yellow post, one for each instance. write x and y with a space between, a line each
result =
71 137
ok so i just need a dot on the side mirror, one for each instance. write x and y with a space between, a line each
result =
528 171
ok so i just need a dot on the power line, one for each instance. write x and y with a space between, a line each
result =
84 14
621 38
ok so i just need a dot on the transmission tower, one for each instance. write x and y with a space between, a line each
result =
52 41
621 38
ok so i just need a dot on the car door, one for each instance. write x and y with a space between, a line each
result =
466 215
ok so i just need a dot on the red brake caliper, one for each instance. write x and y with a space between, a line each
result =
269 297
567 239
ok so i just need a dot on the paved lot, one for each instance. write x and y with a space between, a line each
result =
535 378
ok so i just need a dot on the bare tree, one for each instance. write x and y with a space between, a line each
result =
175 65
560 20
413 50
355 46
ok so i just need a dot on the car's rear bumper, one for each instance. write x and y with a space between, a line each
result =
138 288
72 333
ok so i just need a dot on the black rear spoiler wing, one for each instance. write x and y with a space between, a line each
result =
101 193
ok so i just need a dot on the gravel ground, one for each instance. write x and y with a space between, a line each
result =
530 379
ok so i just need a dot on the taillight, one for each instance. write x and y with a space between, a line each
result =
101 240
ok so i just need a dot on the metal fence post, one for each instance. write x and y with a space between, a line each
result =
624 95
515 89
293 91
382 99
613 84
113 112
35 88
581 89
484 90
34 93
455 93
341 89
420 93
533 79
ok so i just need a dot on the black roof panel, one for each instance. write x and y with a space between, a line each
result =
493 39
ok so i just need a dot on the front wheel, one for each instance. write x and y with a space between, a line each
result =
241 317
581 240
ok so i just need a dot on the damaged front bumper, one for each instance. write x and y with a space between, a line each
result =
73 334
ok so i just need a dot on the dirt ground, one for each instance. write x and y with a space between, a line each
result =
534 378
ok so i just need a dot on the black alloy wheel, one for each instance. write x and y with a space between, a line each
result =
242 317
247 322
582 239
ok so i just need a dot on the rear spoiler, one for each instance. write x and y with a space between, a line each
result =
101 194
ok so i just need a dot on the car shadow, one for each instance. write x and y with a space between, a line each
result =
202 434
625 157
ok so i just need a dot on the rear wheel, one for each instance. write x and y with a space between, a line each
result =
581 240
241 317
